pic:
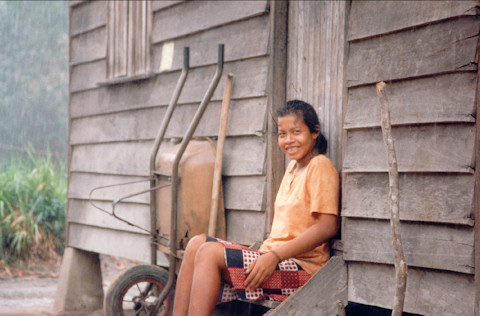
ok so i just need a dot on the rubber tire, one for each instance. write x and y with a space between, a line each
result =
131 277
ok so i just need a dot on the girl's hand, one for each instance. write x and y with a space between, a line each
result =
260 270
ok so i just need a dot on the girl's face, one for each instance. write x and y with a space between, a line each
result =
295 139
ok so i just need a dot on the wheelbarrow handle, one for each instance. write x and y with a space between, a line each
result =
175 178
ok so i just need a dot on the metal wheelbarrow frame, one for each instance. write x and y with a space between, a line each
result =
174 178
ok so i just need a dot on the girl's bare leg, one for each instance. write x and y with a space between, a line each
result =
207 277
185 276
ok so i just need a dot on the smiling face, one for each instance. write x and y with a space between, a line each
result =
296 140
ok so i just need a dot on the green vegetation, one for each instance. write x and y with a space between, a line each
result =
32 209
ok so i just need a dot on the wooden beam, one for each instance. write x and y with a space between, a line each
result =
477 200
277 97
398 256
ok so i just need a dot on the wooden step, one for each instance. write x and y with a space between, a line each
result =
320 295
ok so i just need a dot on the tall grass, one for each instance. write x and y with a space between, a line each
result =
32 209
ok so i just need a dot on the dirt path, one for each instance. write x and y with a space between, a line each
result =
34 294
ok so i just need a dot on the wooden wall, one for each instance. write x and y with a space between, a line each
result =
426 51
315 73
112 127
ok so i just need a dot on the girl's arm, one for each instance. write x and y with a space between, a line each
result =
324 229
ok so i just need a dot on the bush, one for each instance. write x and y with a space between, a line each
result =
32 209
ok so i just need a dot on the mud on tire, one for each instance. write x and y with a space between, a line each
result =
134 291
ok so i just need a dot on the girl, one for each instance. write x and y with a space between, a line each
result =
306 217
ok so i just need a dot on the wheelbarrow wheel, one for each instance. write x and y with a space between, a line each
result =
135 291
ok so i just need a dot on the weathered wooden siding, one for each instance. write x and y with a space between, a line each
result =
112 127
426 51
316 46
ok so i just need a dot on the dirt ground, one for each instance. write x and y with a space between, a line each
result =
24 294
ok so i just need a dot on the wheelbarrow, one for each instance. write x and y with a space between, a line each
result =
149 289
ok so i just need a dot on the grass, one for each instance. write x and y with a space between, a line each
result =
32 209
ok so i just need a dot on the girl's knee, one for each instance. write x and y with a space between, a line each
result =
213 252
194 244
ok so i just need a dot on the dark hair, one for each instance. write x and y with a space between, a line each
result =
306 112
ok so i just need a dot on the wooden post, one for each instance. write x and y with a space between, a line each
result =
399 258
277 95
476 199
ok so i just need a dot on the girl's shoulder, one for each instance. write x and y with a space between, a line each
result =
321 162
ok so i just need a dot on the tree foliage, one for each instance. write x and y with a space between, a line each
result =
33 75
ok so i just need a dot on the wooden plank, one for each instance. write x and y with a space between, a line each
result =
440 198
87 102
193 16
250 35
429 148
240 193
80 185
88 16
429 292
476 201
443 98
118 33
87 76
110 242
160 5
243 156
442 47
89 46
250 82
245 227
329 285
316 64
115 158
276 90
368 18
430 246
244 193
82 212
246 117
124 126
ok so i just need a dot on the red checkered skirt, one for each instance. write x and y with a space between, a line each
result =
286 279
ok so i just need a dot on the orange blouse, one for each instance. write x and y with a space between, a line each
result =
313 189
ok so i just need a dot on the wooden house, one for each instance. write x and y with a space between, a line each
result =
125 58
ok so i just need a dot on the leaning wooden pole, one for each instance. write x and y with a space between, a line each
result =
398 256
217 172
